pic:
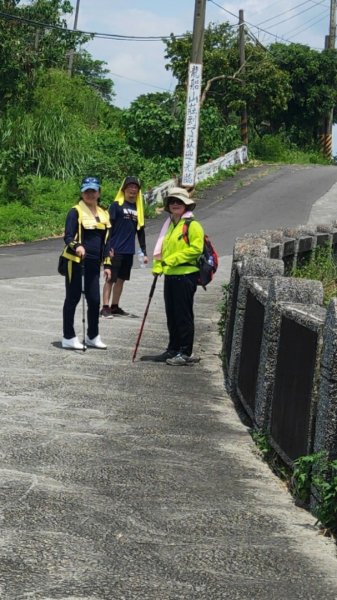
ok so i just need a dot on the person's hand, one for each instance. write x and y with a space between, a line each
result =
80 251
146 260
107 274
111 253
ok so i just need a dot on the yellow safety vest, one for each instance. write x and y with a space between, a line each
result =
87 220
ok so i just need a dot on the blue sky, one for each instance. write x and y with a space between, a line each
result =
139 67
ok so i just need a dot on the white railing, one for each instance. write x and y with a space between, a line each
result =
238 156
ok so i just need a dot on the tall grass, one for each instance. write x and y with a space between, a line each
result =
322 267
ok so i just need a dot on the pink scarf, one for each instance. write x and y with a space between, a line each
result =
159 243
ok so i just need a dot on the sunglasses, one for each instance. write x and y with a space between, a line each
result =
176 201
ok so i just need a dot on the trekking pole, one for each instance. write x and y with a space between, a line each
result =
155 277
83 303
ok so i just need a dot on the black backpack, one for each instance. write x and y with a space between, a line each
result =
208 261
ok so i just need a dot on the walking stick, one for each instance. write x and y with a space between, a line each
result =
83 303
155 277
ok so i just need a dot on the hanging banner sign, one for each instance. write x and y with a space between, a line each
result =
191 124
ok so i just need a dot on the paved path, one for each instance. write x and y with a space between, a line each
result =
122 481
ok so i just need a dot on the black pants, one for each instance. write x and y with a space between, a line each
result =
179 293
73 296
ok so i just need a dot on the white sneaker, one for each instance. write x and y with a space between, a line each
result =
96 342
72 343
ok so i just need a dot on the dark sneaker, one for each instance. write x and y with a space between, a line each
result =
116 311
158 357
181 360
106 312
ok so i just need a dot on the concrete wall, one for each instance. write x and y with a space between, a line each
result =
280 342
238 156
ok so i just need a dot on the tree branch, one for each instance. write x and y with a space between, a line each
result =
210 81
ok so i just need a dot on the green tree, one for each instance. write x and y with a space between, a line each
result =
94 73
218 40
154 124
266 89
26 49
313 80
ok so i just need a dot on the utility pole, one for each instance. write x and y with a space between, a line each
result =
72 52
193 96
330 44
244 120
198 31
332 28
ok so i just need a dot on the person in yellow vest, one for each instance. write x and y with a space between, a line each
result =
87 233
177 258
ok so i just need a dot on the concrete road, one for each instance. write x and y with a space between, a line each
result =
134 481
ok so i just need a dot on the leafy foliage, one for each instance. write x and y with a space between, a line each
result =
25 50
94 73
218 41
266 89
277 148
316 475
154 123
54 139
313 79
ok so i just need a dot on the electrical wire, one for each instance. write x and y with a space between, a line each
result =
141 82
311 21
293 16
285 12
273 35
309 26
112 36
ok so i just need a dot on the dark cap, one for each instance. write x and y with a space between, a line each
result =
90 183
130 181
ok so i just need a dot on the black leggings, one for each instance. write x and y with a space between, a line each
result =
73 296
179 293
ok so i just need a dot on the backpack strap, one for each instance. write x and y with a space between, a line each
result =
184 234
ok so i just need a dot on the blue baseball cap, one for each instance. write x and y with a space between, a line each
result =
90 183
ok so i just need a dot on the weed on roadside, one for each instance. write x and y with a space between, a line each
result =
321 267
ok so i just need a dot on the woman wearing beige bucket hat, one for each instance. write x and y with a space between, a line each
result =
175 256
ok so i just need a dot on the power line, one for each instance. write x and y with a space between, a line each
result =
273 35
309 27
285 12
294 16
313 21
112 36
138 81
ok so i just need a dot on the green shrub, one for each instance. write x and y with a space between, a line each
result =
276 148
